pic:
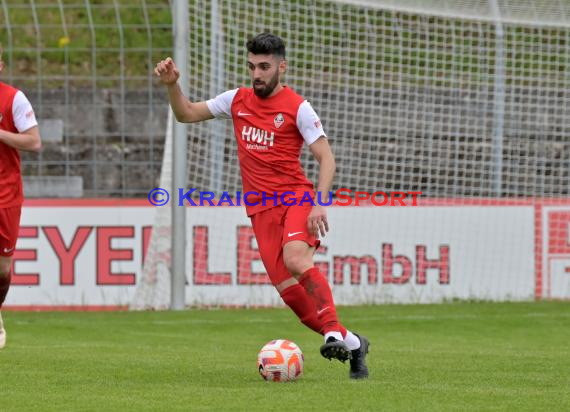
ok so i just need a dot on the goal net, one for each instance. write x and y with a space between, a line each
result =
465 101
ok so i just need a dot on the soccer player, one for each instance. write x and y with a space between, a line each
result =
18 131
271 123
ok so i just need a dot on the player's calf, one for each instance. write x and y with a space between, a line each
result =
2 333
296 298
5 277
5 272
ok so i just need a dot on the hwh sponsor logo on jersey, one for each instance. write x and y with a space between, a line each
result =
255 135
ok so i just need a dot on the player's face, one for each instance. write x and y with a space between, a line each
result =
265 71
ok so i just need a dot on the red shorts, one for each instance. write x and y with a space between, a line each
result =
276 226
9 228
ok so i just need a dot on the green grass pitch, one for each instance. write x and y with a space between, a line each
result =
457 356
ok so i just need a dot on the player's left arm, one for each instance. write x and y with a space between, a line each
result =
28 140
311 129
321 150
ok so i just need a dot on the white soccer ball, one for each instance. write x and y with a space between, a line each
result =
280 361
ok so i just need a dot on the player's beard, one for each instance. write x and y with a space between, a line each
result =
263 92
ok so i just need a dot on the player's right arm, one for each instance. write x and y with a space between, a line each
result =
28 140
184 110
28 136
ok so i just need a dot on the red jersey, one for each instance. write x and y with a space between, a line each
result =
270 133
16 115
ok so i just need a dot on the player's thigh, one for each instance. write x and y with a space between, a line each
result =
299 244
268 229
9 228
296 227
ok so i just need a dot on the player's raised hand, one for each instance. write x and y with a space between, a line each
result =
167 72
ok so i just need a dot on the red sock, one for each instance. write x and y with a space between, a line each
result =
320 293
296 298
4 286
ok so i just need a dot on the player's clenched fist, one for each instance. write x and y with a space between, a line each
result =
167 71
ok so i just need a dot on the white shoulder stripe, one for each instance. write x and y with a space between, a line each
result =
221 105
23 113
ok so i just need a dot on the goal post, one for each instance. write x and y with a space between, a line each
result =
179 159
465 101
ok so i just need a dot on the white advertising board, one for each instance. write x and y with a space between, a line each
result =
90 256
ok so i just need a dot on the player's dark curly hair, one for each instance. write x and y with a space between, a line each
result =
266 43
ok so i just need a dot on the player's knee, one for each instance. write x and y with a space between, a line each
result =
5 267
297 264
298 257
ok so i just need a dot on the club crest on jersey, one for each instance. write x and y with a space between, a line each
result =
279 120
